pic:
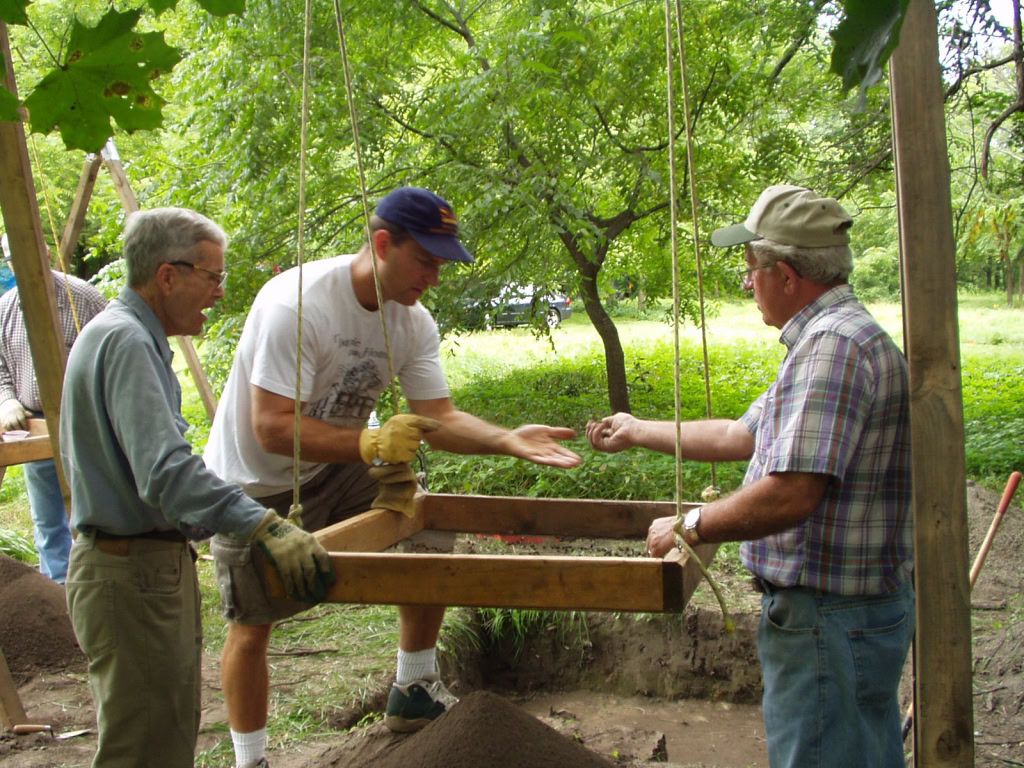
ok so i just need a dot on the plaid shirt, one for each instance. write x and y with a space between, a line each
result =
17 374
839 406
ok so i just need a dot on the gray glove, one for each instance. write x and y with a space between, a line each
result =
302 563
13 415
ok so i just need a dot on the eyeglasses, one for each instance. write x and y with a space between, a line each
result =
745 274
222 277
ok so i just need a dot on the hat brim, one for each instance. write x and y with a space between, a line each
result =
445 247
737 234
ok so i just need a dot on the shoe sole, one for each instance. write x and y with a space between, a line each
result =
397 724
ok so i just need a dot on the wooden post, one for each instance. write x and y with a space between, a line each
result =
944 726
12 712
124 191
31 261
76 218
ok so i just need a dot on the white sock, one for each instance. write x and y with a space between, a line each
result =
249 746
416 665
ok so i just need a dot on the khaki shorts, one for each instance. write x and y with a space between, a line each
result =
337 493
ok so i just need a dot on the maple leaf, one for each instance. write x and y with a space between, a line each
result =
106 74
13 11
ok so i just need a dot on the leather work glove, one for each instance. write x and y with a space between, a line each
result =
302 563
398 439
13 415
398 486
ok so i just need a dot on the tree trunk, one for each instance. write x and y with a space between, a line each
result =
615 359
1009 283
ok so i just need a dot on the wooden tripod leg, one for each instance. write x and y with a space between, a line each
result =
11 711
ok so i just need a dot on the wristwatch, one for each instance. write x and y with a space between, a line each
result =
690 523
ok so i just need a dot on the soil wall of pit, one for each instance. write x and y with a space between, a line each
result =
676 656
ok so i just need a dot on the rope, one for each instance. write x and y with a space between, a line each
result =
680 540
691 165
53 233
366 205
301 249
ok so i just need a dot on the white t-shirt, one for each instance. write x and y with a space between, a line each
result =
344 367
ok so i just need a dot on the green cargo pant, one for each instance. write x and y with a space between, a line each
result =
134 605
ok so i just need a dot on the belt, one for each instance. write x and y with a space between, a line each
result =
176 536
117 544
764 586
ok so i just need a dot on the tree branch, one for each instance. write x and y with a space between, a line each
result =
1018 105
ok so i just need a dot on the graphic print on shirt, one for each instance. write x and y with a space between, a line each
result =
354 396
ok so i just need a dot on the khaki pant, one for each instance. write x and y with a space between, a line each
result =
134 605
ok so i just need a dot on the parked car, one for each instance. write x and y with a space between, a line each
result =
517 305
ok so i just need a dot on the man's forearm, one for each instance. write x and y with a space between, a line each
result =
465 433
710 440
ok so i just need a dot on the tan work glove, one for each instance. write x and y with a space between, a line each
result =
13 415
302 563
398 439
398 486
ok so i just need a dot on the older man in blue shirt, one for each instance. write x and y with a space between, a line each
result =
139 496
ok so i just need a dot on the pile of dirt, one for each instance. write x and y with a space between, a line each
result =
35 629
485 729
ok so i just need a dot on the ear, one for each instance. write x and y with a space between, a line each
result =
791 280
166 275
381 243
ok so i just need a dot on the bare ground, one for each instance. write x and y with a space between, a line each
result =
633 690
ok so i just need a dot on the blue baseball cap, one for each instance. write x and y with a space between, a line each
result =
428 218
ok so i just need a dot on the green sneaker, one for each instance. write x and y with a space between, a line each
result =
412 706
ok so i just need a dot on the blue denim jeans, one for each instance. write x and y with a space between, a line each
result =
49 518
832 666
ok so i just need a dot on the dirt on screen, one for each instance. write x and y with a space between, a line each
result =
673 689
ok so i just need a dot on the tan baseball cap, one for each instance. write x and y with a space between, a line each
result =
791 216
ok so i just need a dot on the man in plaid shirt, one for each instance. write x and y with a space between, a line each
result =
19 399
824 513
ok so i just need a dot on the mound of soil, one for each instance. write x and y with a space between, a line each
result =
35 629
485 729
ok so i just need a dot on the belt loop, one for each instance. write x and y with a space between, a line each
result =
86 539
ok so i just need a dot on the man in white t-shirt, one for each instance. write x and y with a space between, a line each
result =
344 371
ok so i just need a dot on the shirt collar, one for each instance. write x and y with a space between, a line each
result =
833 297
148 318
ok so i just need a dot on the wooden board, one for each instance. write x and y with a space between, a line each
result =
586 518
508 581
33 448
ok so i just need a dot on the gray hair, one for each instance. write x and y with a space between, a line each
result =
162 235
831 264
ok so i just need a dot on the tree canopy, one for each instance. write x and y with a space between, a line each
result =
544 123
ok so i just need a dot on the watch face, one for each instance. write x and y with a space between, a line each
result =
691 519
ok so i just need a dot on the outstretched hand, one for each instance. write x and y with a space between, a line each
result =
536 443
612 433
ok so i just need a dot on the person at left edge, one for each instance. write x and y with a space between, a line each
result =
78 302
139 496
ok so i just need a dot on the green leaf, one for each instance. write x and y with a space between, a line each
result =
8 104
107 73
159 6
223 7
865 39
13 11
